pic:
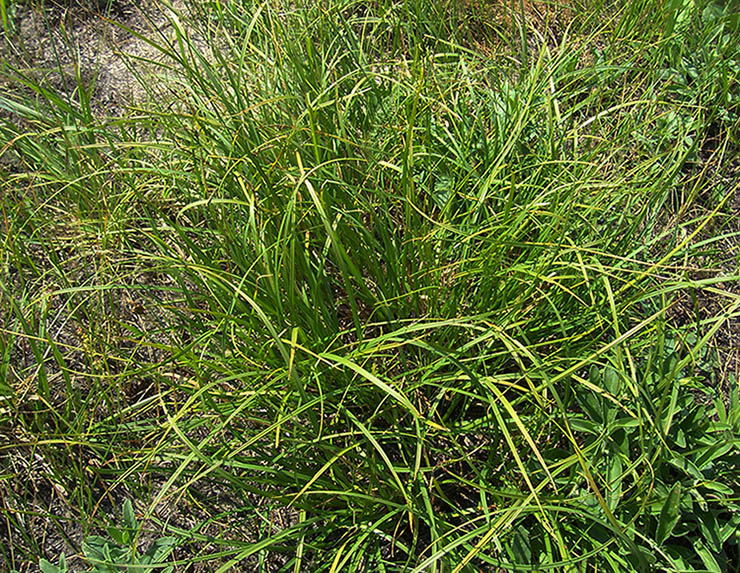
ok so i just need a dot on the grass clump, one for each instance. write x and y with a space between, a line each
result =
381 286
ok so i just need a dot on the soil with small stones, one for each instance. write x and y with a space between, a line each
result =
61 45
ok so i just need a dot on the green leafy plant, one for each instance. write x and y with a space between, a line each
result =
120 553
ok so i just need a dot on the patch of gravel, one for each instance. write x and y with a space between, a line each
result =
96 44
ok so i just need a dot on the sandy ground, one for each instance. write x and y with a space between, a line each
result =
89 42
